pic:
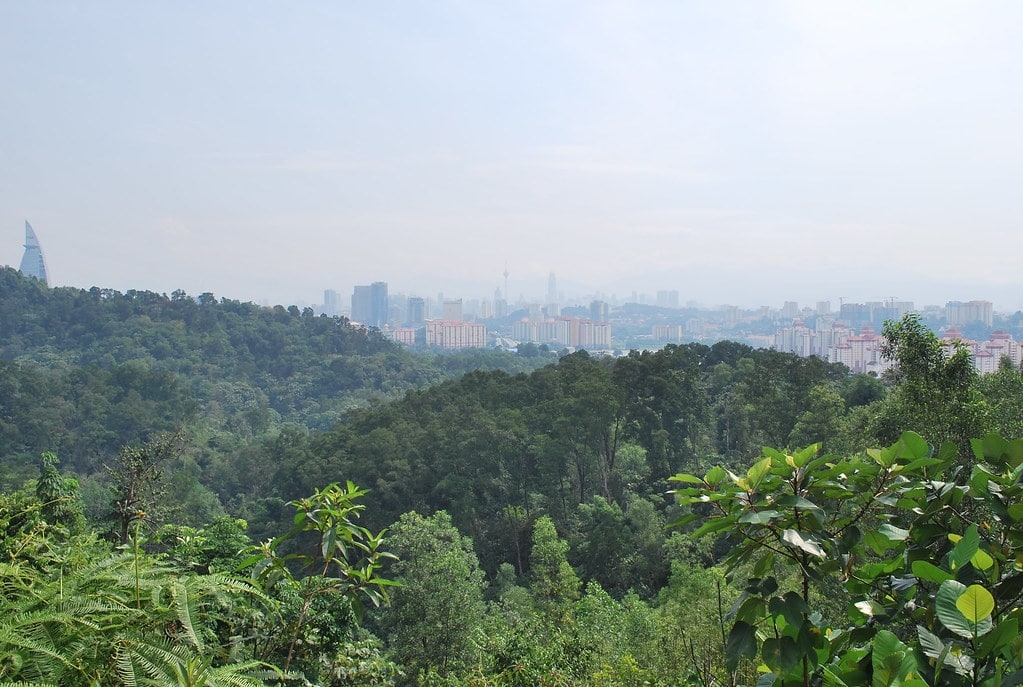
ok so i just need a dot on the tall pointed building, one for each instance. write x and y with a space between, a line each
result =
33 264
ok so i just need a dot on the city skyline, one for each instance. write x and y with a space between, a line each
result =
743 154
373 308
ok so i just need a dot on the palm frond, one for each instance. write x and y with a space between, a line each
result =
187 611
161 663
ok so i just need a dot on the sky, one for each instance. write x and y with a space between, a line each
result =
746 153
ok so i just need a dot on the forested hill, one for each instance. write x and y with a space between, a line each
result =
84 372
496 450
591 442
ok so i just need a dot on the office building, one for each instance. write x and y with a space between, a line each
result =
370 305
331 303
415 313
32 263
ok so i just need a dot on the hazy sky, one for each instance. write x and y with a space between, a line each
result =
739 152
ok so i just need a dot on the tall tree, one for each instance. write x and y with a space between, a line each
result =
552 581
935 389
439 606
137 482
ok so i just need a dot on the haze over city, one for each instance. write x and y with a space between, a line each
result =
745 153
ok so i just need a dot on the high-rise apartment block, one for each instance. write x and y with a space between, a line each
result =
958 313
667 333
573 332
453 335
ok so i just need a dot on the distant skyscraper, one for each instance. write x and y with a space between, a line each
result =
369 304
552 289
381 306
452 309
667 299
33 264
416 311
331 302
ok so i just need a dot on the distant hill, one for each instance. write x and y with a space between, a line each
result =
87 370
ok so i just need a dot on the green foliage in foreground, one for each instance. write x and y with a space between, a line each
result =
76 612
929 556
894 566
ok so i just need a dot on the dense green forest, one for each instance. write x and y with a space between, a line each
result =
201 491
84 372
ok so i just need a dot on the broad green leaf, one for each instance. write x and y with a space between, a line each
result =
912 446
802 504
683 477
915 465
1014 453
1016 511
685 520
757 472
948 451
947 610
791 607
1002 636
976 603
929 572
879 542
982 560
751 609
952 617
965 547
742 643
891 660
764 565
991 446
780 654
715 525
328 544
762 517
893 533
715 475
797 502
883 457
930 643
831 679
794 538
848 671
803 455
